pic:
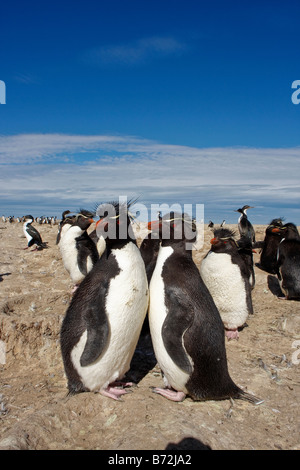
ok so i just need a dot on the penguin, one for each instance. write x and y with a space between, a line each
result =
32 235
246 250
186 328
79 253
288 262
103 322
226 276
268 256
244 225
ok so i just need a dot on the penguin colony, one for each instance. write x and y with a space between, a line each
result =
189 311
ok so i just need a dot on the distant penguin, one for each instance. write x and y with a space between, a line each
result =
103 322
226 275
79 253
288 262
186 328
268 256
32 235
244 225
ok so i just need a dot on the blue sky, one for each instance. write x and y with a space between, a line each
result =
172 101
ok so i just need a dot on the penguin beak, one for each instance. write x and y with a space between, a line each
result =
275 230
214 241
153 225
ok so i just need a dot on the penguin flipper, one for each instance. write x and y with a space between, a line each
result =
176 323
97 336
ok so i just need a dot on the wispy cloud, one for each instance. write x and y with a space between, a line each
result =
137 52
55 170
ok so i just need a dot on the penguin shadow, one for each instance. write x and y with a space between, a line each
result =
188 443
274 286
4 274
144 358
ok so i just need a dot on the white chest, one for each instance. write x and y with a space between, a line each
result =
68 250
227 287
126 306
157 314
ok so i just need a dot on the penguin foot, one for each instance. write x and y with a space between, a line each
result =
119 383
232 334
170 394
284 297
113 392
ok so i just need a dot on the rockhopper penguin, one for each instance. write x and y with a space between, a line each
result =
227 278
186 328
103 322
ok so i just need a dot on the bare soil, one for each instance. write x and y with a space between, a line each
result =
36 414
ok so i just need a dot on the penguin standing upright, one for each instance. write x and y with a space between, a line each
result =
244 225
288 262
268 256
78 251
103 322
32 235
245 249
186 328
227 278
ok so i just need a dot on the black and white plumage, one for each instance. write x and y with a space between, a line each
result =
288 262
78 251
227 277
186 328
273 236
244 225
32 235
102 325
245 249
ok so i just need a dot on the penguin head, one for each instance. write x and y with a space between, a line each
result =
84 219
28 218
114 221
244 209
223 241
290 231
174 228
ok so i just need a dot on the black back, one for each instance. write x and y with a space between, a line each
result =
273 236
193 325
288 262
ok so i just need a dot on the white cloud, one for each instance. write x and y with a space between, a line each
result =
57 169
137 52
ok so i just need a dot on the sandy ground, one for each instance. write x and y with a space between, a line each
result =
35 412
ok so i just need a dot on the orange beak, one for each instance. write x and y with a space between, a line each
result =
214 241
275 230
153 225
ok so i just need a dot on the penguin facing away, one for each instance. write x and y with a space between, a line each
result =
32 235
288 262
103 322
226 276
244 225
186 328
268 256
78 251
